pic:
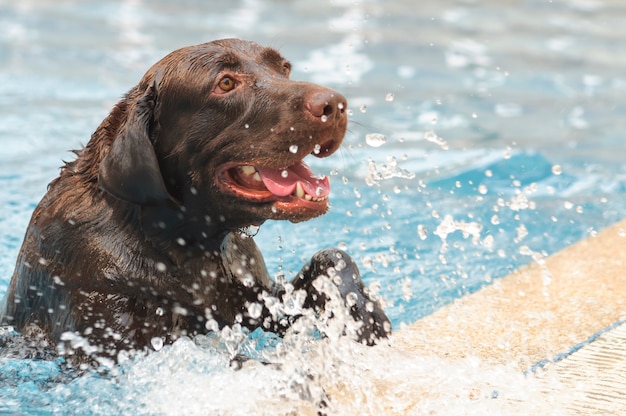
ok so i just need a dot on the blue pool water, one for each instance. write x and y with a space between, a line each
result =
504 142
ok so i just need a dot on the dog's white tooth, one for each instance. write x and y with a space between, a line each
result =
299 190
257 177
308 197
248 170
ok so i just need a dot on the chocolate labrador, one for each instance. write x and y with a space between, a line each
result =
142 236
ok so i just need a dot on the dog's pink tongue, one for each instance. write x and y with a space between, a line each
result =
282 182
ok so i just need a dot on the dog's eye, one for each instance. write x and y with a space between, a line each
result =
227 84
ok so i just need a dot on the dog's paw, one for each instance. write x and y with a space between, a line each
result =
334 275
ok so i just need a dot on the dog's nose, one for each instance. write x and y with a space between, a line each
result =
326 104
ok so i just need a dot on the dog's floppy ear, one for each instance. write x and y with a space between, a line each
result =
130 171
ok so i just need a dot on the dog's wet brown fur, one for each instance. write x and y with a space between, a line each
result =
138 238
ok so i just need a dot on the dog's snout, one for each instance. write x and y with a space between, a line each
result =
326 104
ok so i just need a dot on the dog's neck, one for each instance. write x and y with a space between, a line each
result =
182 235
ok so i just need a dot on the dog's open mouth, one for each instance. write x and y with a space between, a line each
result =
295 184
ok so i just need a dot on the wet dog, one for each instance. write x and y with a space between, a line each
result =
142 236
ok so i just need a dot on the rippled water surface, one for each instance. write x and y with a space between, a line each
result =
484 135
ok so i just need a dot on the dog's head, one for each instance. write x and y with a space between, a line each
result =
219 130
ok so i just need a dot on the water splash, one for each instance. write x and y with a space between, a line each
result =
294 376
377 173
375 139
449 225
432 137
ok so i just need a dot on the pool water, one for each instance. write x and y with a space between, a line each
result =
484 135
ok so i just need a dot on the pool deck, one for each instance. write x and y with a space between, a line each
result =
548 339
560 315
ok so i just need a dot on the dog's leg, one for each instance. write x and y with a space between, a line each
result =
333 271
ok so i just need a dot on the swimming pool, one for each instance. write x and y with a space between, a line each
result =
502 144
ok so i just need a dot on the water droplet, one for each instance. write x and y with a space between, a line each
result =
247 126
161 267
389 97
293 148
557 170
159 311
157 343
284 173
422 232
568 205
351 299
432 137
482 189
407 293
324 118
375 139
387 326
254 310
525 251
317 149
341 264
212 325
363 108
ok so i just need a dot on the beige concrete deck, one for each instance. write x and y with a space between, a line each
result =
470 356
536 312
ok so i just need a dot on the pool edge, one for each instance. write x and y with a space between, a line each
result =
538 311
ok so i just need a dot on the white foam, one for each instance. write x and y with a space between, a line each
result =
349 378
